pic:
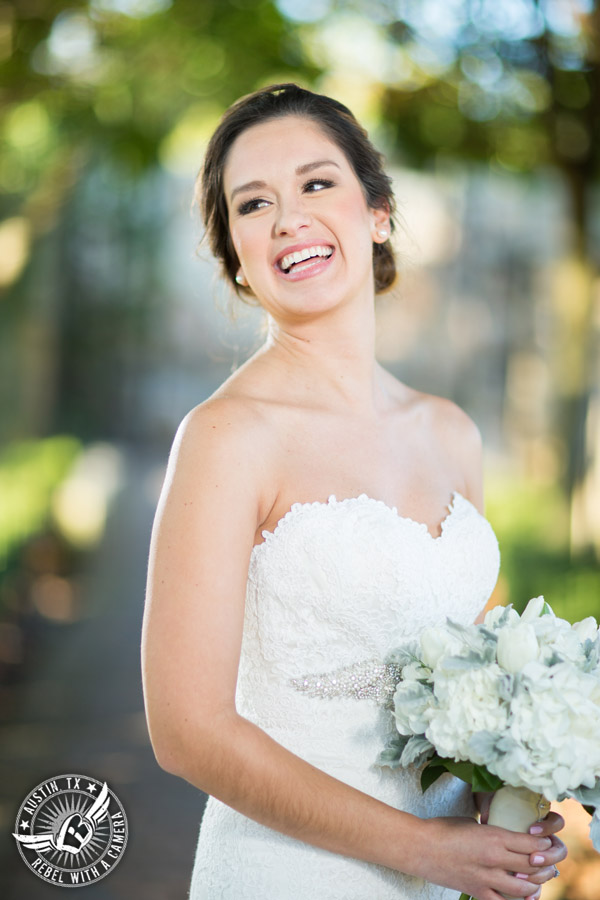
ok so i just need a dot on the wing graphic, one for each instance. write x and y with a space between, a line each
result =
39 842
98 809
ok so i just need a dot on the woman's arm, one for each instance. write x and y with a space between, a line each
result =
208 513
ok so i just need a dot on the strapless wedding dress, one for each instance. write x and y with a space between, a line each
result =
330 593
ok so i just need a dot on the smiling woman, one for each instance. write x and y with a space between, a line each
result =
335 122
315 514
305 215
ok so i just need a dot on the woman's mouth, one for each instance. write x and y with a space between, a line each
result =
308 258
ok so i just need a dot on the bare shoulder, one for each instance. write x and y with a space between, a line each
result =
225 437
460 438
442 424
446 419
452 423
233 418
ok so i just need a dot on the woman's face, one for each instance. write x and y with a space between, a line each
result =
298 217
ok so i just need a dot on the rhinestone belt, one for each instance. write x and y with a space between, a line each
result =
371 680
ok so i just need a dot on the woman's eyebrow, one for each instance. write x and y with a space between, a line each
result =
308 167
301 170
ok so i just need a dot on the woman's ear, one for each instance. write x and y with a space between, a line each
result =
381 225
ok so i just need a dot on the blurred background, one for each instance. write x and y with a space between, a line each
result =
113 324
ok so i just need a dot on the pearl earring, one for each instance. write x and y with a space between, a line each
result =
240 279
382 233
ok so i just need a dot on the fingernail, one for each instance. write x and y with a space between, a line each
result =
537 860
536 829
520 875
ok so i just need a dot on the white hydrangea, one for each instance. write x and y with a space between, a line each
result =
519 695
468 701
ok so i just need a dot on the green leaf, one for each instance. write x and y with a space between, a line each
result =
439 764
483 780
462 770
430 774
464 896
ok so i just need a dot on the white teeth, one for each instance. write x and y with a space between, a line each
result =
301 255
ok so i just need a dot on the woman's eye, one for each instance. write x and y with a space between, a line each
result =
310 187
251 205
317 184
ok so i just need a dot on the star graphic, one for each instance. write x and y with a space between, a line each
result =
92 787
23 824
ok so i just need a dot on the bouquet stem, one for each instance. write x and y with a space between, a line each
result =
517 809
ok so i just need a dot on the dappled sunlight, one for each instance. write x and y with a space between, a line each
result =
14 248
55 598
81 502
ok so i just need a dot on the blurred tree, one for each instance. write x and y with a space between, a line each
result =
516 83
96 96
114 77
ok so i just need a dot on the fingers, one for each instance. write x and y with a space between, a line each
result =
552 823
541 876
515 886
527 844
555 854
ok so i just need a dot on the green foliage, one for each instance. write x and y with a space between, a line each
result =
80 77
29 473
520 89
531 524
477 776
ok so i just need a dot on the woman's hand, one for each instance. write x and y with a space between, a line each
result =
487 861
546 861
547 827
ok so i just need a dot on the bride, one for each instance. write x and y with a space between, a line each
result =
315 512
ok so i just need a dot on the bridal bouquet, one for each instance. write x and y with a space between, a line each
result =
511 706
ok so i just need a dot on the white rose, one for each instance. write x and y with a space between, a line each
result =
557 636
516 647
494 614
435 643
586 630
533 610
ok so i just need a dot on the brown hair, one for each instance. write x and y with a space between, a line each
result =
339 124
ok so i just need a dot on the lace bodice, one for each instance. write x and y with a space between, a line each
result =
334 585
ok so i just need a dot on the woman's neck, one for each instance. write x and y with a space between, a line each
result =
332 359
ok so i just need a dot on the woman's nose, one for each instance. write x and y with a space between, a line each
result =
291 216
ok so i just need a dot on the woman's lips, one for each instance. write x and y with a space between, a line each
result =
308 268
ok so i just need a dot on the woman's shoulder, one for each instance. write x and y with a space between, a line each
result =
439 413
230 417
450 420
441 423
226 440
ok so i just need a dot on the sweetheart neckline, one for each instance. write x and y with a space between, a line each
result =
269 536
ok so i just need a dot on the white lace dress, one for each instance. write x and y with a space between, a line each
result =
330 592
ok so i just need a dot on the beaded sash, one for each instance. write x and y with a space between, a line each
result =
371 679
